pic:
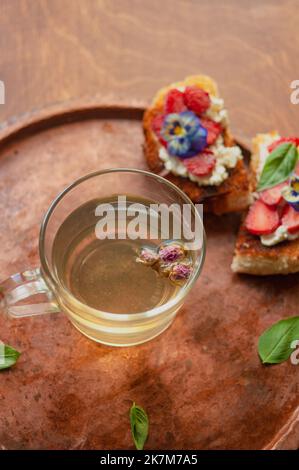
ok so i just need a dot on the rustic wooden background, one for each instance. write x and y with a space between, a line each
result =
54 50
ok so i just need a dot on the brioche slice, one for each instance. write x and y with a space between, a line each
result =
232 192
251 256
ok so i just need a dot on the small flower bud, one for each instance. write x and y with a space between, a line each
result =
180 272
147 256
171 253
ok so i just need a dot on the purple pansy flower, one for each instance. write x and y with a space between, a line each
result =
184 134
291 192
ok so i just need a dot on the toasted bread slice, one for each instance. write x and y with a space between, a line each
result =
233 193
251 256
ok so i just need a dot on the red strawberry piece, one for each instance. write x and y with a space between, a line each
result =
273 196
262 219
157 124
297 169
214 129
290 219
196 99
294 140
174 102
200 165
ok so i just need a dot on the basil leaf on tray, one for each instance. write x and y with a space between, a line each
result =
278 166
8 356
139 425
274 344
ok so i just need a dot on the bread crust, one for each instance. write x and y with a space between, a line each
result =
230 196
251 256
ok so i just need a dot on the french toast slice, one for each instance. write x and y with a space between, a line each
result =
251 256
230 195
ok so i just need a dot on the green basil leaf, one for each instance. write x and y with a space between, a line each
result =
278 166
139 425
274 344
8 356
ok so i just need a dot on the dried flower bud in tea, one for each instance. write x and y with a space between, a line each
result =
180 272
171 253
147 256
164 269
171 260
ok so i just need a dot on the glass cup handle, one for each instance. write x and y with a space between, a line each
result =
26 294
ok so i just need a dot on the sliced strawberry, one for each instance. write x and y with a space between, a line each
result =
290 219
175 102
196 99
281 207
273 196
262 219
214 129
297 169
157 124
200 165
282 140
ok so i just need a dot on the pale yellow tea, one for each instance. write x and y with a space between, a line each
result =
107 274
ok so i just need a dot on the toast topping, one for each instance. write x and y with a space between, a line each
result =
157 124
279 161
262 219
273 196
214 129
291 192
201 165
294 140
175 102
196 99
281 234
193 122
290 219
184 134
279 165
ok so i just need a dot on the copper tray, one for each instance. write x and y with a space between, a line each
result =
201 381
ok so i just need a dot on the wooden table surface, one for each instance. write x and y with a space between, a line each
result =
56 50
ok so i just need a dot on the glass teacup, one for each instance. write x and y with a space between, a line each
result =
94 268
